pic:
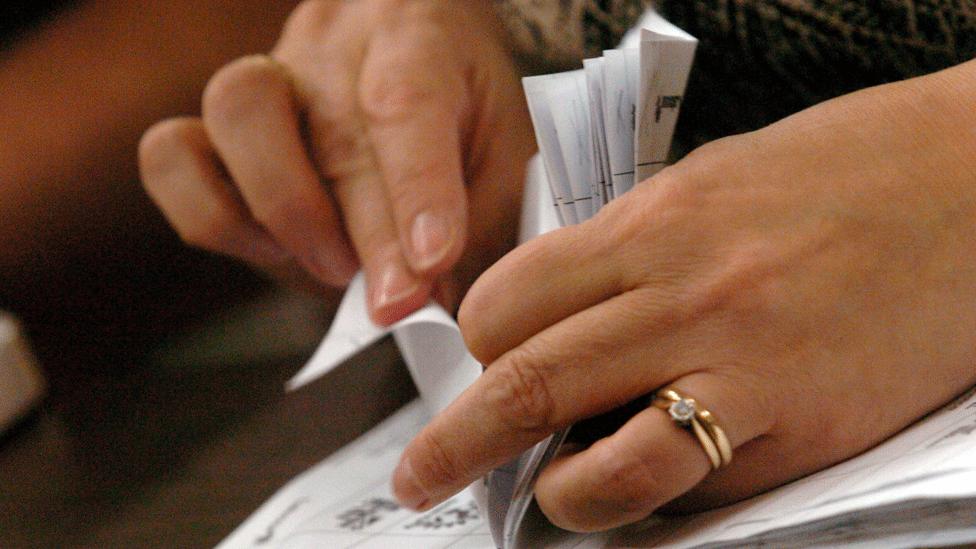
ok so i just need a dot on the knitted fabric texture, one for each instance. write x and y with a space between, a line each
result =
759 60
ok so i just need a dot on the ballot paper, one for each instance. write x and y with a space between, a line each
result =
599 130
345 501
916 490
665 57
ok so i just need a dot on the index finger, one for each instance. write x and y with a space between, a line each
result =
412 94
532 391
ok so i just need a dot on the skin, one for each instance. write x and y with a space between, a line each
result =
810 283
386 134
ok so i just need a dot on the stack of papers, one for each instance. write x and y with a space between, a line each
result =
916 490
609 124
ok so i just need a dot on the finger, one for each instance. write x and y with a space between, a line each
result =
251 117
342 149
535 286
547 383
412 95
182 175
648 462
565 271
394 291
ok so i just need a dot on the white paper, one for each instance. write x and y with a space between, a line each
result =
545 134
537 216
666 56
429 341
569 103
351 331
593 68
620 70
346 501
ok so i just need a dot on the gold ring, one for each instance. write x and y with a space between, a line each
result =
688 414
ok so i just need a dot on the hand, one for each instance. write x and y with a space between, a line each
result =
812 284
390 133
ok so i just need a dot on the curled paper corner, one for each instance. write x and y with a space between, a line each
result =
429 341
350 332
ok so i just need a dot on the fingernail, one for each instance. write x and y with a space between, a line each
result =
406 488
394 285
431 237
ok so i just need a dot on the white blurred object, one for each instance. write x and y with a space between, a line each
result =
21 384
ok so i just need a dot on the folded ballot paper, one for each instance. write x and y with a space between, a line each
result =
599 130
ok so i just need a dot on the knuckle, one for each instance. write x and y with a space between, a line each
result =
676 206
519 393
750 289
418 72
212 230
162 143
707 151
441 467
241 87
421 184
343 154
712 160
395 94
309 14
746 289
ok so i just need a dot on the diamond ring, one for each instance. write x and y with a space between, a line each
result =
686 413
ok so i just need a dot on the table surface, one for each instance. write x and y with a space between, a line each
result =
177 458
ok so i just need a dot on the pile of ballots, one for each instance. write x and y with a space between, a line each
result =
608 125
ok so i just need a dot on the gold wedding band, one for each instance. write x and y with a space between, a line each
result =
688 414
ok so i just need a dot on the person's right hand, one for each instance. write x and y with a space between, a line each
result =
387 133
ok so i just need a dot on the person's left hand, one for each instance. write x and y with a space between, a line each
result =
812 284
390 135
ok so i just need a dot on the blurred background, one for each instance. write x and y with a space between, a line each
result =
86 261
154 354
